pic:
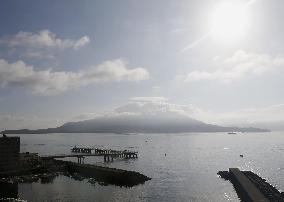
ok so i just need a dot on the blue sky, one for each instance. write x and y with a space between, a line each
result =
62 59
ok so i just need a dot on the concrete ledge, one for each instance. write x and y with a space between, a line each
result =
108 175
246 188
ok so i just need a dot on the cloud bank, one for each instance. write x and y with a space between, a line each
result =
241 64
159 108
49 82
43 39
148 107
155 109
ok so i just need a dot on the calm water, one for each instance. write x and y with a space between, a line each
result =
188 172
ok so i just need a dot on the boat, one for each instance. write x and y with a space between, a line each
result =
230 133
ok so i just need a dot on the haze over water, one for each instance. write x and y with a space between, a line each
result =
188 172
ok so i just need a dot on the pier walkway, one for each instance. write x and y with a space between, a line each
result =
108 154
246 188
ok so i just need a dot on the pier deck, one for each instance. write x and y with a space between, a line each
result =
108 154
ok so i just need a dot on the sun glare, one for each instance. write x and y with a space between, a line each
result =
229 21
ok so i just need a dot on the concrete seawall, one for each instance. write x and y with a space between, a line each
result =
246 188
251 187
114 176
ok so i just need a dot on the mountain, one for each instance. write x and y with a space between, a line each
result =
136 124
143 115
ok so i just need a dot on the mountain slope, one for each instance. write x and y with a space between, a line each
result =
137 124
143 116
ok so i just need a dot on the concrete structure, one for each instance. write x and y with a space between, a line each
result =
9 154
105 174
245 187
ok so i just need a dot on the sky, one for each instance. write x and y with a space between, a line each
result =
71 60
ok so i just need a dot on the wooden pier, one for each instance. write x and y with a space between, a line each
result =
81 150
108 154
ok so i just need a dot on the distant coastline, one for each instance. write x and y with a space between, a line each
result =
136 126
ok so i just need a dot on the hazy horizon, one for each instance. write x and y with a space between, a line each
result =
158 109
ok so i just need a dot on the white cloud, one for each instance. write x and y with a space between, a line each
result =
241 64
158 106
43 39
52 82
147 106
162 108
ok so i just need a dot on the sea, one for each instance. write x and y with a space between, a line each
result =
183 166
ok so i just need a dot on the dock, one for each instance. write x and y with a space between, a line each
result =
109 155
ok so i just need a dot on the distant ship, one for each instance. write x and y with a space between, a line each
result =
232 133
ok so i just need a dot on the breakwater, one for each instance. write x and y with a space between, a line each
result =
48 169
251 187
108 175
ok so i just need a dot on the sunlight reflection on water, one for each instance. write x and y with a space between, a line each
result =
188 171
